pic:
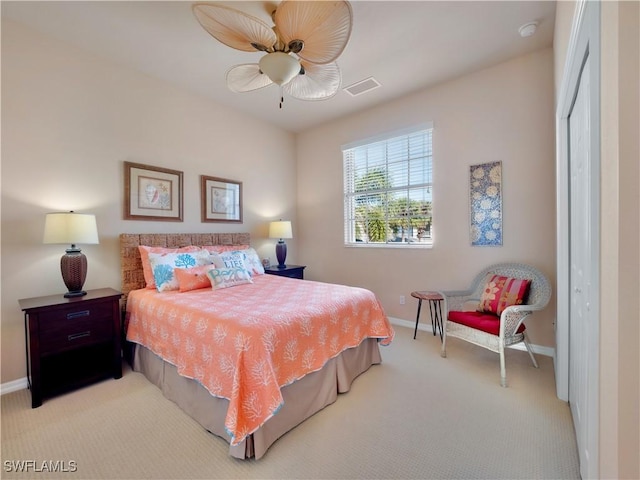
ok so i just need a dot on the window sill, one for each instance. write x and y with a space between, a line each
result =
398 245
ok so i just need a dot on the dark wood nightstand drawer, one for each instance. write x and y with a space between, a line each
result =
75 332
53 318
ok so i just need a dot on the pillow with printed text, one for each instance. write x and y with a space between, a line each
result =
247 258
230 259
228 277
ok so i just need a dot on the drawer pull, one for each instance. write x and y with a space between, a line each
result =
76 336
83 313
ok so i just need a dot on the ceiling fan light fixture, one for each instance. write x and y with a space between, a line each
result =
301 47
280 67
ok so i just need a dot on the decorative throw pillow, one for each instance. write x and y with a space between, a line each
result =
246 258
228 277
252 262
231 259
193 278
223 248
163 265
146 266
502 292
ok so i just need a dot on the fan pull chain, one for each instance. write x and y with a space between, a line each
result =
281 97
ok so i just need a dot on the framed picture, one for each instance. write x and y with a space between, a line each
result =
485 204
152 193
221 199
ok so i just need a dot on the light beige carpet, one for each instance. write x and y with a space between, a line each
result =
416 415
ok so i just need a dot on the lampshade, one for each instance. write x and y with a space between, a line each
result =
71 228
280 67
280 229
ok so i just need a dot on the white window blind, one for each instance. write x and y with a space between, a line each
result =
388 190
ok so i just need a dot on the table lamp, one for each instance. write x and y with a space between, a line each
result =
71 228
281 230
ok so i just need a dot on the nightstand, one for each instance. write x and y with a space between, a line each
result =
291 271
71 342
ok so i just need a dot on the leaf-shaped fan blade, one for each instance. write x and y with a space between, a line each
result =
234 28
318 82
323 26
247 77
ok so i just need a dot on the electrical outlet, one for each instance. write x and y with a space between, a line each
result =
401 299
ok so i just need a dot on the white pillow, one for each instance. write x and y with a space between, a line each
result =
228 277
231 259
162 265
247 259
252 262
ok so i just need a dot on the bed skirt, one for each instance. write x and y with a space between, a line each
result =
302 398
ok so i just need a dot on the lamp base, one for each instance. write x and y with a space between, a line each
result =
281 253
81 293
73 266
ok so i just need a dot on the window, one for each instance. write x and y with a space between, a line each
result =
388 190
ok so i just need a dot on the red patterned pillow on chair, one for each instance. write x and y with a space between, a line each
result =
502 292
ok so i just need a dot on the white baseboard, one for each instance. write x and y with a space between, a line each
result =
14 386
426 327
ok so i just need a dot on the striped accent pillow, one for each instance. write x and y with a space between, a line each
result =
502 292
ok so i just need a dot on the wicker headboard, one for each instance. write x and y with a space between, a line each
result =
131 265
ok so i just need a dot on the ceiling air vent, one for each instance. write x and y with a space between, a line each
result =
363 86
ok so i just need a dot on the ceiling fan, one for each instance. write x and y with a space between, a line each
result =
300 49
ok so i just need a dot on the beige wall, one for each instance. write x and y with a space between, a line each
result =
619 415
501 113
69 120
629 198
565 11
620 233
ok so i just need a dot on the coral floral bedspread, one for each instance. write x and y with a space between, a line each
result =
246 342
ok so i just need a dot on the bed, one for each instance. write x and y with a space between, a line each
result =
252 361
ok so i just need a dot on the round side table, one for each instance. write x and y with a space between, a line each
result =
435 309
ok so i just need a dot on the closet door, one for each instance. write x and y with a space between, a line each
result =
578 329
579 257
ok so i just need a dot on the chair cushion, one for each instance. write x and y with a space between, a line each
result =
502 292
487 322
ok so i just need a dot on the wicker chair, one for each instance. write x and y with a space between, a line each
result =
511 329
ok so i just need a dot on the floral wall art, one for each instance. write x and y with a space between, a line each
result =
485 201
